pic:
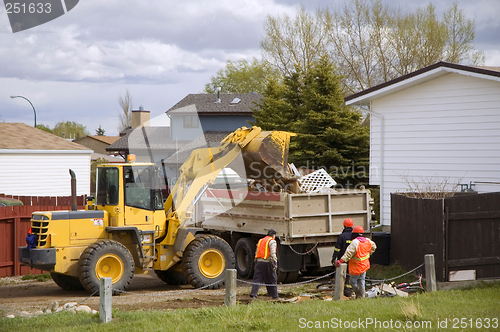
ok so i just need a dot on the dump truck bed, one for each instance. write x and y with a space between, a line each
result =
297 218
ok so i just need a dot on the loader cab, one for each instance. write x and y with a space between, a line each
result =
131 194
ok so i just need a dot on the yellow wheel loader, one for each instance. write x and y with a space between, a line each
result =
129 230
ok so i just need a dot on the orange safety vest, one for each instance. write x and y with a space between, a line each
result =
360 262
263 247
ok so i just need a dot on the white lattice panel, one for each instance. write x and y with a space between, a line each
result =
313 182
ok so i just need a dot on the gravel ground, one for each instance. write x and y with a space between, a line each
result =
146 292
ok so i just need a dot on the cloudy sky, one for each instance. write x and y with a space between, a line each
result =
75 67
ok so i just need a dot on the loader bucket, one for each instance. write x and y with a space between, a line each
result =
266 156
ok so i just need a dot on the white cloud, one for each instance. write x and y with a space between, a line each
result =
74 67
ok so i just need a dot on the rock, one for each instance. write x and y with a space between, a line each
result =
83 308
94 312
10 316
54 306
39 312
59 309
47 311
72 310
24 314
70 305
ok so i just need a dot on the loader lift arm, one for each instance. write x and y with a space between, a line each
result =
259 149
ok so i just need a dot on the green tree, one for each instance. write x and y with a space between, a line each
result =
370 42
241 77
44 128
460 37
295 42
311 104
99 131
70 129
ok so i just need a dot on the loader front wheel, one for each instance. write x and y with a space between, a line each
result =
106 259
66 282
205 261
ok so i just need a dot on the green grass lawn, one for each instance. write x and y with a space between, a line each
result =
461 310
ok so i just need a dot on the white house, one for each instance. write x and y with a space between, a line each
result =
36 163
438 126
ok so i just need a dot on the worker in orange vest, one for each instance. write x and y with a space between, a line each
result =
266 266
358 254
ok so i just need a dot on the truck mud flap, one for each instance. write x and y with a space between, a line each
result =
288 260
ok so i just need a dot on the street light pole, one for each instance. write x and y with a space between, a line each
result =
28 102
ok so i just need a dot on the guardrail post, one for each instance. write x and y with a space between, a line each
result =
340 275
105 293
430 273
230 287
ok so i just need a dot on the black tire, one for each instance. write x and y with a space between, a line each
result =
244 253
291 277
205 261
172 276
106 258
287 277
66 282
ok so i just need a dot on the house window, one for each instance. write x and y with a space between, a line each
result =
191 121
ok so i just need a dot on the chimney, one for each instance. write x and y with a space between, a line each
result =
139 117
218 95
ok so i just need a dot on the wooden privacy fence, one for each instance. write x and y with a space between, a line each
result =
14 225
462 231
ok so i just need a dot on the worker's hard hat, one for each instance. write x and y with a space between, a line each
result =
348 222
358 229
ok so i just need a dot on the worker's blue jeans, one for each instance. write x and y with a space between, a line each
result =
358 284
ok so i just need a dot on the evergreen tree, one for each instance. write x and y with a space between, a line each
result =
311 104
99 131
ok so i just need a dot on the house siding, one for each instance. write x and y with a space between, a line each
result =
50 177
225 122
208 123
446 130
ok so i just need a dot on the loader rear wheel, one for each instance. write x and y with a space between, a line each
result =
106 259
205 261
244 251
172 276
66 282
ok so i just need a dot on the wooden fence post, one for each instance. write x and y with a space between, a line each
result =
430 273
340 275
230 287
105 293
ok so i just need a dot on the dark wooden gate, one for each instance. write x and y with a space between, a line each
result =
463 233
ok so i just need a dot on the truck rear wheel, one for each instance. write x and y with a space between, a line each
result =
205 261
287 277
106 259
172 276
244 251
66 282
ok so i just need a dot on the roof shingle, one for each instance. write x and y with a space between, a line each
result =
20 136
206 104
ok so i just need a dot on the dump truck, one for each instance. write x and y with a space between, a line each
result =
307 225
129 229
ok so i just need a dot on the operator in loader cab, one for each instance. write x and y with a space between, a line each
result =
266 266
